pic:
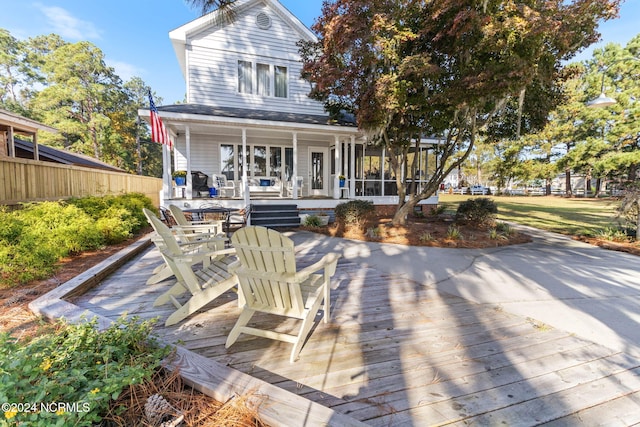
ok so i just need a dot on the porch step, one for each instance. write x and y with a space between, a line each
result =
276 215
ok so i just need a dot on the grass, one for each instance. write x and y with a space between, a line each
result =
572 216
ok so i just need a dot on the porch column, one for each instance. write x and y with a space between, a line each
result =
167 186
12 143
187 135
294 177
245 181
36 152
352 168
338 168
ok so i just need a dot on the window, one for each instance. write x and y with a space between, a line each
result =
264 86
267 80
281 82
244 77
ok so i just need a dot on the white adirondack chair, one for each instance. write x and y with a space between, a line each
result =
270 283
204 284
194 230
200 250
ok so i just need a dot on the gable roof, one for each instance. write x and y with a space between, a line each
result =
180 35
50 154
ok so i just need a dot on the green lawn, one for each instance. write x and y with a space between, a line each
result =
574 216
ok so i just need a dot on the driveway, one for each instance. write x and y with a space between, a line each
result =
556 281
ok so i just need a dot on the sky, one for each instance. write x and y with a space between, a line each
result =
134 34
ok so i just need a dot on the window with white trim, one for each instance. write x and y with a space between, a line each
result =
263 79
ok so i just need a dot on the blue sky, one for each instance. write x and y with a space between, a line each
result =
134 37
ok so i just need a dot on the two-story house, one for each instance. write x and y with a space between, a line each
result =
248 120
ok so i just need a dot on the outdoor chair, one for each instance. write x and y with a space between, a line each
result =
194 230
270 283
300 181
204 285
225 187
200 250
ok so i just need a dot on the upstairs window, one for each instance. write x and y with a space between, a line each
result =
245 77
263 79
281 82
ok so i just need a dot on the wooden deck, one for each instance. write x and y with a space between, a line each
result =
398 354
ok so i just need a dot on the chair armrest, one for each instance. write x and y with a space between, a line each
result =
329 261
191 257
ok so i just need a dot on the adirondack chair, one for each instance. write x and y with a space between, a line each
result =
194 230
204 284
201 250
270 283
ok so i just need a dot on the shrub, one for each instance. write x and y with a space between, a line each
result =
76 372
454 233
354 212
313 221
35 238
481 211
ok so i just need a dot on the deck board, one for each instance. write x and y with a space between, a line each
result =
397 353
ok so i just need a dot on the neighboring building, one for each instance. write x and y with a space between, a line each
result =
245 95
24 149
12 124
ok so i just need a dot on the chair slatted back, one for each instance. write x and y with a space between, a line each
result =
262 251
169 240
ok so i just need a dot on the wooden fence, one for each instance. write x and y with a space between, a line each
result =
24 180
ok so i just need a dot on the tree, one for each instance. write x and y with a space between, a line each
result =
409 69
82 90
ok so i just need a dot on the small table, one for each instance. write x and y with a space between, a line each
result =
200 212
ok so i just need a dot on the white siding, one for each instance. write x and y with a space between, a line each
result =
213 57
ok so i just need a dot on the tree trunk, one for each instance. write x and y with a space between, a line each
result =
567 182
402 213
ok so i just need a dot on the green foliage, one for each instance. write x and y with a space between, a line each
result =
427 237
481 211
313 221
76 372
504 228
354 212
613 234
438 210
35 238
454 233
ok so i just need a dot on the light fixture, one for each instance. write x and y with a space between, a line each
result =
602 100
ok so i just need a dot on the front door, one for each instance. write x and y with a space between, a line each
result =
318 171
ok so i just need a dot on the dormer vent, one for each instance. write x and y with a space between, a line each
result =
263 20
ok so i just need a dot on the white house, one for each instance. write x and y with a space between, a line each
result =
245 95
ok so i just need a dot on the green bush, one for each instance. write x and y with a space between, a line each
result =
101 207
481 211
35 238
313 221
354 212
76 372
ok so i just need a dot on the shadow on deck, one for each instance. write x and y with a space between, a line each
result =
394 353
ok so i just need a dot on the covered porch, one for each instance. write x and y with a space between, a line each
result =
235 158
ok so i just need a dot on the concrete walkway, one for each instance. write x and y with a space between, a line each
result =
569 285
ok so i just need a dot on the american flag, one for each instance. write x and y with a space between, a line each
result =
159 133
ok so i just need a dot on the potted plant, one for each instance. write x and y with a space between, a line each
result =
342 180
180 177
